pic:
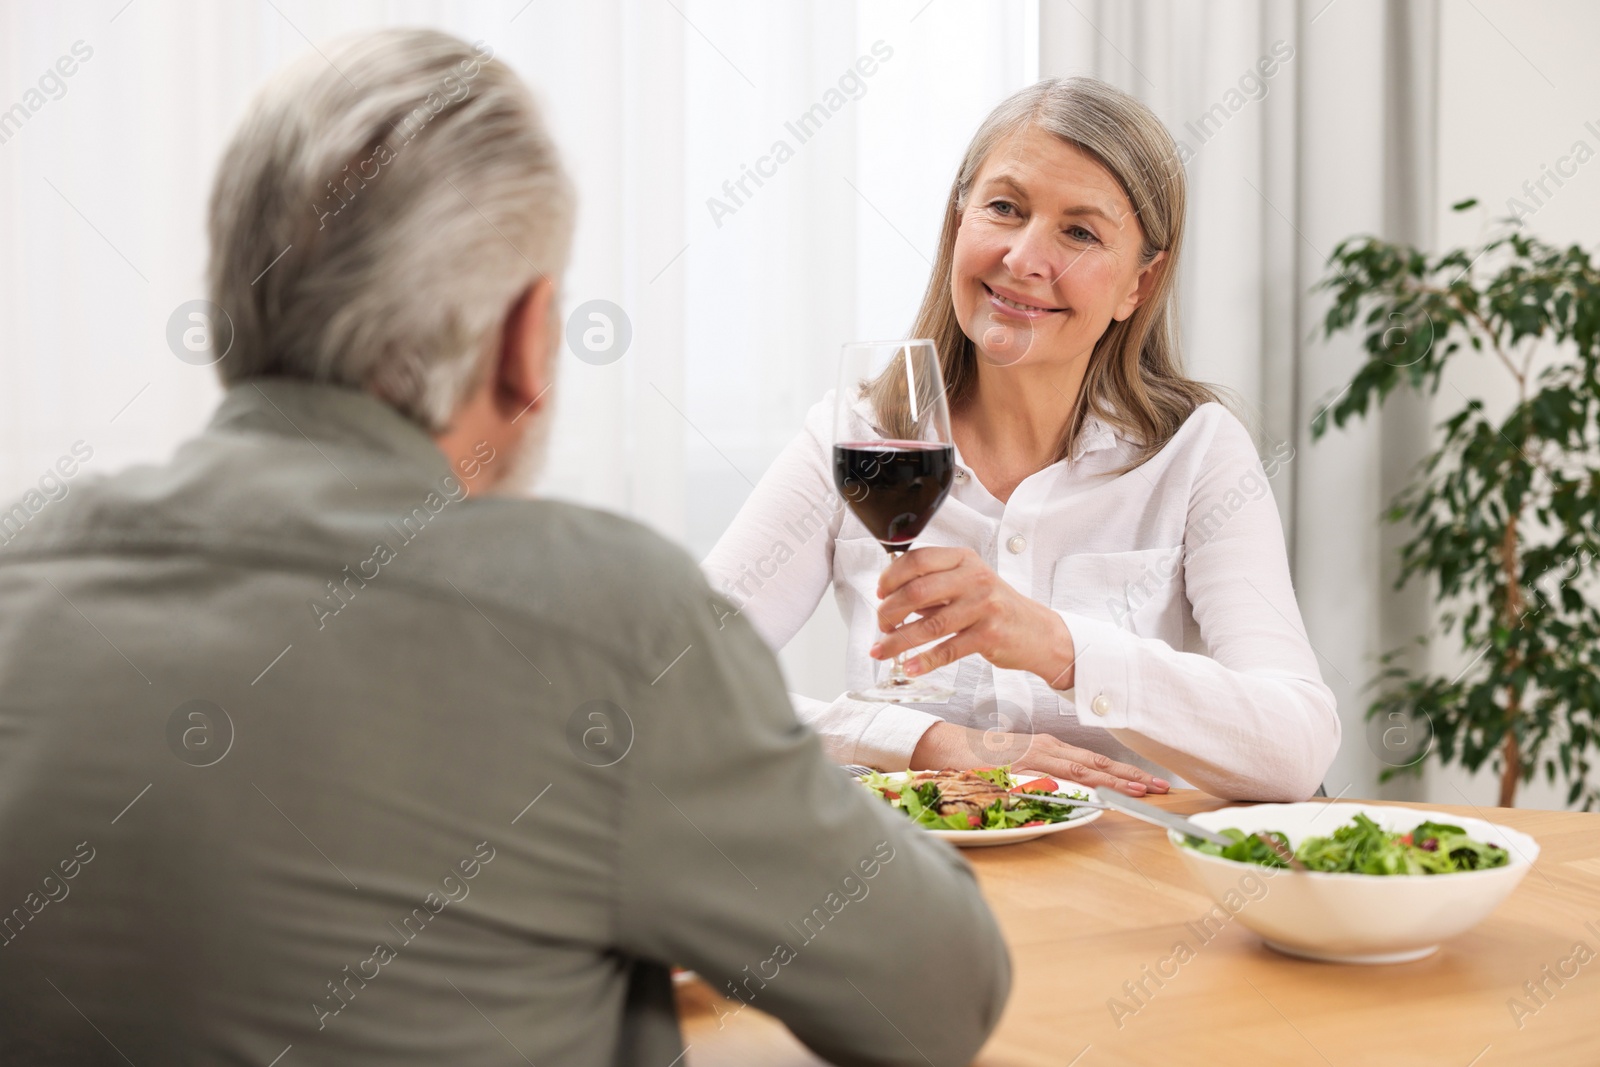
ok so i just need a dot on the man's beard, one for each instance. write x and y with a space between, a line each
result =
526 463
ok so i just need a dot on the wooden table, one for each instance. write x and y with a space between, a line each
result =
1086 910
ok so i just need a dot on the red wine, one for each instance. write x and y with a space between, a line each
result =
893 487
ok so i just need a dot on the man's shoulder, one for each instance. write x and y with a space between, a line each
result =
516 536
563 574
569 563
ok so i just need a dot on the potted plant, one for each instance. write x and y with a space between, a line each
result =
1504 515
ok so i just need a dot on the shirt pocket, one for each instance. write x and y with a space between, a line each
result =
857 563
1138 591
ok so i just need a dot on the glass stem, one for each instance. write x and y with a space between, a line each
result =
898 678
897 671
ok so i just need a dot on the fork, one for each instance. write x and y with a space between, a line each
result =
1066 802
1149 813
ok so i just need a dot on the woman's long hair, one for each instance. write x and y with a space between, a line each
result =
1135 379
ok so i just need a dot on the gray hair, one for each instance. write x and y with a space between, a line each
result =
381 206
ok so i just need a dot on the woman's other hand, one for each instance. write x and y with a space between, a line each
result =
947 746
957 593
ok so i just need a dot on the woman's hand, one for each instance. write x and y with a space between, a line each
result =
957 593
947 746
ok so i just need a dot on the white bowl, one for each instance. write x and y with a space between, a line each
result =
1350 918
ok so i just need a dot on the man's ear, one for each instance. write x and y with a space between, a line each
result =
1149 275
523 372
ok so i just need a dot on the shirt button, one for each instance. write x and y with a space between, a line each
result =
1016 544
961 475
1100 705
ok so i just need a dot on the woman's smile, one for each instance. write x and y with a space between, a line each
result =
1010 302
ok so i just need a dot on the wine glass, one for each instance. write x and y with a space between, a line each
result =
893 461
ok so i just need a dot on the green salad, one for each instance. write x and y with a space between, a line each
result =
989 798
1364 847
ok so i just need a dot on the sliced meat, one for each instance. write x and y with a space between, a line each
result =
962 791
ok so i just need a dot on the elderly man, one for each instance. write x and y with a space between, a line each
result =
314 751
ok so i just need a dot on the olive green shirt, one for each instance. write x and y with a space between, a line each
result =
312 752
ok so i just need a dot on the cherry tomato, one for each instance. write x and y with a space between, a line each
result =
1036 822
974 820
1038 785
891 794
1406 840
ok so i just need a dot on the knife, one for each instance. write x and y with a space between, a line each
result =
1110 801
1151 814
1168 820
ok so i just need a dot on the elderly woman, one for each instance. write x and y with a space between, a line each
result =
1107 582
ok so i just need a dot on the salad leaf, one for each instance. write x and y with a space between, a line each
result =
920 802
1364 847
1244 849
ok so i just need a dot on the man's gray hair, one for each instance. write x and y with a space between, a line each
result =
380 208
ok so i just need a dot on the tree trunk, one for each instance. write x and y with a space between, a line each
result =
1511 771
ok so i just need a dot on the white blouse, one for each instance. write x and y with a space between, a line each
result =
1192 659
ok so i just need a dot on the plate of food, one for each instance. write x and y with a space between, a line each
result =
987 806
1383 884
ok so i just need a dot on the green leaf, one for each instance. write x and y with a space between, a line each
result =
1502 518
